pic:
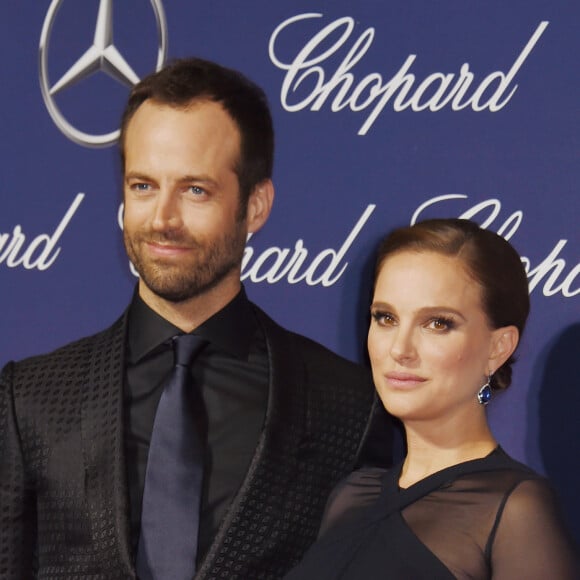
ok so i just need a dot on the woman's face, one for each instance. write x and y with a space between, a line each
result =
430 343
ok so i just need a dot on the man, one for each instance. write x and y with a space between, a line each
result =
282 417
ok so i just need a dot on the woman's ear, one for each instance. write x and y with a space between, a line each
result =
503 344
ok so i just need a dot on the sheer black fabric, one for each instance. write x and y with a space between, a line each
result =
486 518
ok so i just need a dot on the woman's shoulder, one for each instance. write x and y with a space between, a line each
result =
530 494
498 473
352 496
531 531
362 485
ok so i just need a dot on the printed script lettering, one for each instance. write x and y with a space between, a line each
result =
307 75
40 252
296 265
553 271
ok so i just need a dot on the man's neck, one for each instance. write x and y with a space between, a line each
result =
187 315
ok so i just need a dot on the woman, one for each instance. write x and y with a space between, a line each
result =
449 308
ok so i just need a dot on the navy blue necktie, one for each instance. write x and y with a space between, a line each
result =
173 480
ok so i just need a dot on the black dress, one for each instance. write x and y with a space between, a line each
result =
486 518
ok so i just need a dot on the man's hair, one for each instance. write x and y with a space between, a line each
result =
189 80
487 257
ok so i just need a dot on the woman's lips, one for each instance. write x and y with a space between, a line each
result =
401 380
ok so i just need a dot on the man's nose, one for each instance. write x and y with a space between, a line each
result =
167 212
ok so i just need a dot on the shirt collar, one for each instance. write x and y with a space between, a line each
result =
231 329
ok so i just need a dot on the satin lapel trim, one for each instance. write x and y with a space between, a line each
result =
103 443
284 425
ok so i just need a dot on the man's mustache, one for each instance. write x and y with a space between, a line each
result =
176 238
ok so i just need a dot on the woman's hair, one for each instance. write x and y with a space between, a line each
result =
487 257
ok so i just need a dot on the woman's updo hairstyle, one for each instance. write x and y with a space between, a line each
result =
487 257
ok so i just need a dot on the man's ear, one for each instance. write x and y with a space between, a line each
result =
259 205
504 343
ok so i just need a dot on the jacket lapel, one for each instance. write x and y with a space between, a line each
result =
103 447
287 408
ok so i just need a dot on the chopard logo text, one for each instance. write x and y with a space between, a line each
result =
38 252
310 84
554 274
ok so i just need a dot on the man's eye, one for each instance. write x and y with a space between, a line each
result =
196 190
140 186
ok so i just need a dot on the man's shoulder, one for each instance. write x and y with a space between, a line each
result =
312 353
73 353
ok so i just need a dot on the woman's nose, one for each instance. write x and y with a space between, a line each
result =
403 345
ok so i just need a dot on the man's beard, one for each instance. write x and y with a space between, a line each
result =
207 265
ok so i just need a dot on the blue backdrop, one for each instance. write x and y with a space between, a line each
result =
385 112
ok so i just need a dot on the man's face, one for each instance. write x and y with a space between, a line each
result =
183 228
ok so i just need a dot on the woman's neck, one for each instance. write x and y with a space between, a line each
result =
431 451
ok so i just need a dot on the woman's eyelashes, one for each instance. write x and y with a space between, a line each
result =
438 323
383 318
441 323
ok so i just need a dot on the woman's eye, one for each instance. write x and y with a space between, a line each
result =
440 324
383 318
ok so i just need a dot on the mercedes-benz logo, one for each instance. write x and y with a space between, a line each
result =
101 56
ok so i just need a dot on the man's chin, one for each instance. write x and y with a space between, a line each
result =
167 287
173 294
176 297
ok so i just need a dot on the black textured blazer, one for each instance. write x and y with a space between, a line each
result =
63 489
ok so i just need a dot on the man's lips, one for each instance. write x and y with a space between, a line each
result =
403 380
166 249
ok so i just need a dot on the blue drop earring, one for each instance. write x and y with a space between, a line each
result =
484 394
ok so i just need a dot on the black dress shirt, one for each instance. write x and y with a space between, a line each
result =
232 375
